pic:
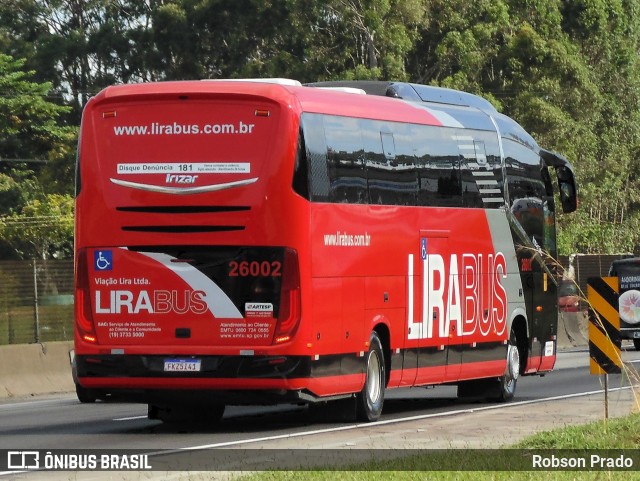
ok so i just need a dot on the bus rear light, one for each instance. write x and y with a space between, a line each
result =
262 113
290 303
83 313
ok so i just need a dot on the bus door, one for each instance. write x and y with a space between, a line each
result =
434 261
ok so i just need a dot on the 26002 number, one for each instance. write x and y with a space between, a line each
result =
255 269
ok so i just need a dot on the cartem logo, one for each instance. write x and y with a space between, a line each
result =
23 460
103 260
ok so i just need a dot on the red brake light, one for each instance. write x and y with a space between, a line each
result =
290 303
83 313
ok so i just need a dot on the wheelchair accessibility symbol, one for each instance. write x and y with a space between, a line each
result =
103 260
423 248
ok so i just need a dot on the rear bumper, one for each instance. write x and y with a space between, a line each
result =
222 379
225 367
630 332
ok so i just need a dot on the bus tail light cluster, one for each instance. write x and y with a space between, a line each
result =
83 313
290 303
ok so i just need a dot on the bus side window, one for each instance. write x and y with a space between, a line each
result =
316 149
527 190
405 165
549 214
438 167
345 160
301 169
481 169
473 158
375 157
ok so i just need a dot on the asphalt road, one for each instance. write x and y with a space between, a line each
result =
411 418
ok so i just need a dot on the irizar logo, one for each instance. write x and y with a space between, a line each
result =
465 297
180 179
154 302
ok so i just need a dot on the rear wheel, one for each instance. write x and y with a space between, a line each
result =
371 398
501 389
512 373
85 395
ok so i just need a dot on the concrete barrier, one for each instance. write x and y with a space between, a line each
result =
573 330
32 369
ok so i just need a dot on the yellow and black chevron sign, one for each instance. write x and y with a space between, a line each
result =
604 325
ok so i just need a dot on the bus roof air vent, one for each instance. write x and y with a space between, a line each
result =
414 92
280 81
441 95
349 90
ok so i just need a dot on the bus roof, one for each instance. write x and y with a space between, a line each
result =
391 101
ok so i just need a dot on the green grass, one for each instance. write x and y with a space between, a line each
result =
619 433
615 435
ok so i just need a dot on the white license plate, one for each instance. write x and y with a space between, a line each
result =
182 365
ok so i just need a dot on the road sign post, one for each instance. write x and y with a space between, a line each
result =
604 330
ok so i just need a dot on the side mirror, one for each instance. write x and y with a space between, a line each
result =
568 189
566 180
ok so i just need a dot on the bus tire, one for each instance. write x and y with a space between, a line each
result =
500 389
85 396
370 400
509 381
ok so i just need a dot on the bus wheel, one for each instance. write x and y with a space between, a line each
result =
371 398
509 380
85 395
495 389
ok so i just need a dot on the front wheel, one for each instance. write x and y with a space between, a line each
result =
496 389
371 398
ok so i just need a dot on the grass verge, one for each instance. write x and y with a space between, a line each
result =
611 439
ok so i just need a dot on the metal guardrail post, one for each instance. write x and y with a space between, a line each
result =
36 313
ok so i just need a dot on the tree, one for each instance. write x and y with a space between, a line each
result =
568 72
358 39
43 229
27 119
29 138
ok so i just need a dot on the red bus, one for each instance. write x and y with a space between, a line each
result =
247 242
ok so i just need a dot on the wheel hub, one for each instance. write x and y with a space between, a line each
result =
373 377
513 363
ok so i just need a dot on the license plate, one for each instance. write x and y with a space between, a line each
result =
182 365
